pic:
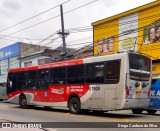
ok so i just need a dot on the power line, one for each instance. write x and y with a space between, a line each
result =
33 16
59 15
110 26
119 35
82 29
51 18
86 46
32 46
22 37
124 23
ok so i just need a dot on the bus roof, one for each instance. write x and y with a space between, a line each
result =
49 65
70 62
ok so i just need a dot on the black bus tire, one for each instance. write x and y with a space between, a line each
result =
96 112
74 105
137 111
151 112
47 107
23 102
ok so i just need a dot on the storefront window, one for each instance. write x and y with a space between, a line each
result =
29 63
4 67
14 62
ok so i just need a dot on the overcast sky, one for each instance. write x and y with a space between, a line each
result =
15 11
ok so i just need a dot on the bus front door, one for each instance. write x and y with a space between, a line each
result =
109 99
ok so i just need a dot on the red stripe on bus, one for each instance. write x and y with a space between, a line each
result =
49 65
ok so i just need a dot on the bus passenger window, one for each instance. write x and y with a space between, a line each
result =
11 82
95 73
75 74
43 79
22 80
32 80
113 72
99 70
58 76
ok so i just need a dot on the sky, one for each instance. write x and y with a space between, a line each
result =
15 11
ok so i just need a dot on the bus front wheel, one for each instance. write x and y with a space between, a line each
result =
137 111
74 105
23 102
151 112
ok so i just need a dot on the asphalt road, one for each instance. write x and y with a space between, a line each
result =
12 112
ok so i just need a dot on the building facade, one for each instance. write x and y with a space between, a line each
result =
136 30
84 52
41 57
10 55
9 58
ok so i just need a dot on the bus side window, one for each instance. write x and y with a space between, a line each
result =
43 79
22 80
95 73
32 80
58 75
75 74
11 82
112 71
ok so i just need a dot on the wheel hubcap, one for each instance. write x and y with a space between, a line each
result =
23 102
75 106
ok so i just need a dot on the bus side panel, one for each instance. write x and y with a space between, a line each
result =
54 96
120 97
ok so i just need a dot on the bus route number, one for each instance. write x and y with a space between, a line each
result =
95 88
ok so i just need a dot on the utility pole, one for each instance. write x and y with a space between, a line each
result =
63 33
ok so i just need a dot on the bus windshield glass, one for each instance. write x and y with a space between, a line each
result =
140 66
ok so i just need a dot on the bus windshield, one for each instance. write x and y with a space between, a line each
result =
140 66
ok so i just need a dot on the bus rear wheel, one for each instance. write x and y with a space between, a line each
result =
137 111
151 112
96 112
23 102
47 107
74 105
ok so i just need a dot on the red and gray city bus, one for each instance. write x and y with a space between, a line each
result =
102 83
